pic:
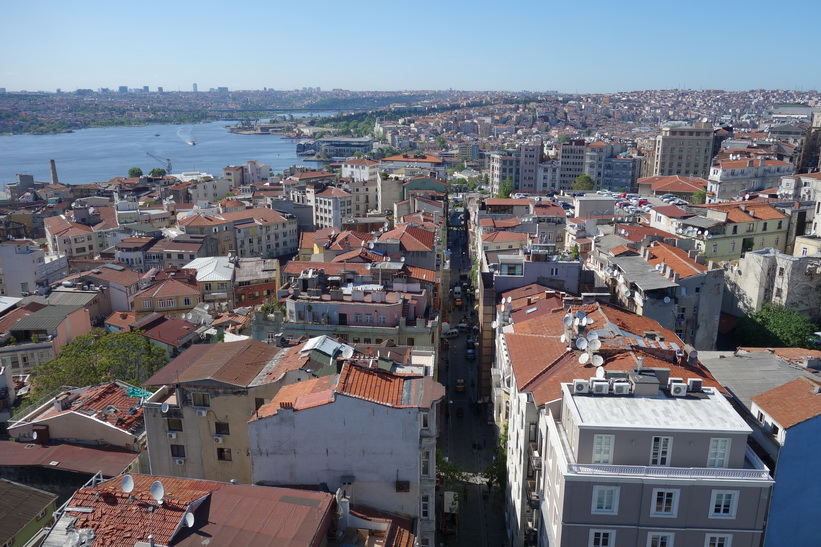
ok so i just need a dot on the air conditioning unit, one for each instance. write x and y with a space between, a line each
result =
179 461
217 439
678 390
172 435
621 388
601 388
672 381
202 412
695 384
581 386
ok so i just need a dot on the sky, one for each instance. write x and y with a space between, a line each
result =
594 46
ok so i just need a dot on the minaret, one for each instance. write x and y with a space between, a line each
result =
54 172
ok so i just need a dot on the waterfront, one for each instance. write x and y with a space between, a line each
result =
97 155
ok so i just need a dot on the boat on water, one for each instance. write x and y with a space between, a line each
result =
156 134
191 142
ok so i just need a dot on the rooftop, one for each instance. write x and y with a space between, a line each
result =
792 403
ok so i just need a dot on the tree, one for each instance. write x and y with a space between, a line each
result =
699 197
157 173
135 172
448 472
583 182
98 357
776 326
441 142
505 189
496 472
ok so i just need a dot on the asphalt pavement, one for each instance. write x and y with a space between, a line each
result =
468 439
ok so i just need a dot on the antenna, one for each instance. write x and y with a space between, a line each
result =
189 520
563 338
127 484
581 343
157 491
592 335
568 320
509 299
583 358
581 314
599 372
594 345
598 360
164 408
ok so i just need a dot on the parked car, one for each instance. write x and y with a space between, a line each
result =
450 334
470 354
457 302
470 344
460 385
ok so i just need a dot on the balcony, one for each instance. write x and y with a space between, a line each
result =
532 495
535 457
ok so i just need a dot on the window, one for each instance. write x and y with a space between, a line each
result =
173 424
426 463
718 541
425 416
201 399
186 301
358 318
224 454
424 511
764 227
602 538
660 539
665 503
719 453
723 504
602 449
660 453
735 228
382 320
177 451
222 428
605 500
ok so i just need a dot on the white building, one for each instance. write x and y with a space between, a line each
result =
25 267
360 169
209 190
331 205
367 431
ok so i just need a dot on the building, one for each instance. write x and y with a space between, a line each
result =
360 169
571 162
675 185
210 190
24 513
215 277
414 165
504 167
684 150
734 178
331 206
249 232
529 156
311 432
26 268
69 238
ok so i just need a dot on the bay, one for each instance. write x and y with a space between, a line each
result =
100 154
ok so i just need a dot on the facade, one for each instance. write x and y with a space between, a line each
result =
571 162
26 268
360 170
209 190
331 206
529 155
734 178
684 150
69 238
504 165
249 232
313 432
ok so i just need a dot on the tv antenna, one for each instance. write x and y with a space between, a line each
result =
157 492
598 361
583 358
599 372
581 343
164 408
127 484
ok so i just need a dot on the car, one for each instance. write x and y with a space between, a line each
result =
457 302
470 354
460 385
463 327
565 205
642 202
470 344
450 334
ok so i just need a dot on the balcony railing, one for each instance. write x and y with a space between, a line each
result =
532 495
669 472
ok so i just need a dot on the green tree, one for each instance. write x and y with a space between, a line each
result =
699 197
98 357
496 472
776 326
506 188
441 142
157 173
448 472
135 172
584 182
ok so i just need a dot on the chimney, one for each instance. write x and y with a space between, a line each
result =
639 360
54 179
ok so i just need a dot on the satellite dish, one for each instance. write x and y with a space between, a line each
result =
599 372
370 245
402 259
347 353
658 267
627 293
583 358
666 299
127 484
581 314
598 361
594 344
157 491
164 408
387 259
189 520
588 320
494 324
581 343
509 299
568 320
709 236
34 435
592 335
368 266
563 338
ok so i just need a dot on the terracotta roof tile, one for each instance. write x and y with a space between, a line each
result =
793 402
371 384
675 258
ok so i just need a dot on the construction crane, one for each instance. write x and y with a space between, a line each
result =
166 162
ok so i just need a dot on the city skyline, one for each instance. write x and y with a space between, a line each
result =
527 46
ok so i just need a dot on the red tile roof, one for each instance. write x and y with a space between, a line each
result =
674 183
373 385
755 210
672 211
413 158
675 258
109 403
503 236
411 238
793 402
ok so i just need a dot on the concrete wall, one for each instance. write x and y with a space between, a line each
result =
74 427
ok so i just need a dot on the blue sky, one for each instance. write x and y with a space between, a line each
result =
591 46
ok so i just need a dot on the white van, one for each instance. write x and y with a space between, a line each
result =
448 335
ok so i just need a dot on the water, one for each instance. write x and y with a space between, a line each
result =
98 155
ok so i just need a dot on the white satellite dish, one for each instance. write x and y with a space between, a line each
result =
658 267
157 491
581 343
588 320
598 360
347 353
627 293
563 338
583 358
666 299
34 435
509 299
592 335
594 344
402 259
387 259
599 372
370 245
368 266
127 484
568 320
494 324
581 314
189 520
164 408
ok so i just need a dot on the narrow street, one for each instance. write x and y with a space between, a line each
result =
467 439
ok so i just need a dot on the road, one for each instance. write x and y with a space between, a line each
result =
468 440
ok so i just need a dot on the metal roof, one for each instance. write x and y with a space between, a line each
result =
46 319
637 270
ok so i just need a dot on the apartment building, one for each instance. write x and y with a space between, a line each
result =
529 155
360 169
249 232
571 162
311 433
210 190
24 267
331 206
504 166
65 237
734 178
684 150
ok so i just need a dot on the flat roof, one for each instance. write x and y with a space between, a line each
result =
637 270
705 411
